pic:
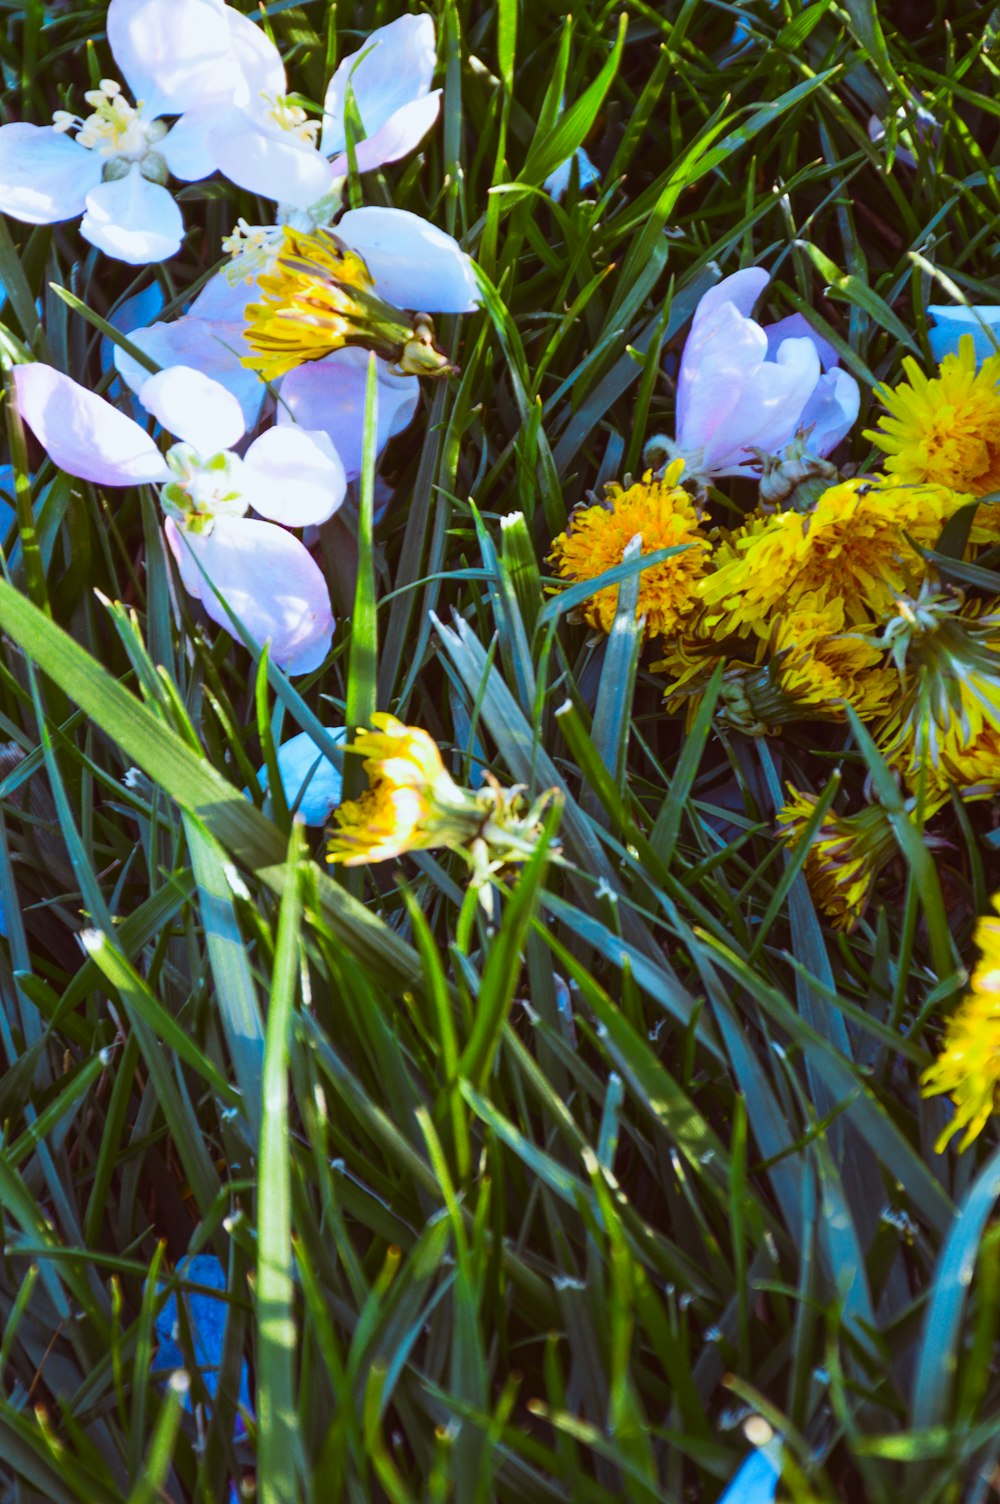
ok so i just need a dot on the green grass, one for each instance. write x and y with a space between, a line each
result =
540 1204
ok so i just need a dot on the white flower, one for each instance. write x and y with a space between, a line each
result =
951 321
178 57
265 574
269 146
742 387
415 266
312 783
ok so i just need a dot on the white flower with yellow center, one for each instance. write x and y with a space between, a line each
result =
260 570
186 59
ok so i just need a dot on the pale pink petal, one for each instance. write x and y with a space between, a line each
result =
133 220
44 175
769 413
831 412
401 134
271 162
83 434
329 395
415 265
294 477
270 581
721 359
194 407
387 72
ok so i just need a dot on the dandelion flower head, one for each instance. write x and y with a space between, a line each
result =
662 513
946 428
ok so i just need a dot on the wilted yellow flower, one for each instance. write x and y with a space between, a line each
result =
662 513
846 855
850 546
822 665
946 428
949 666
968 1067
318 296
412 804
808 668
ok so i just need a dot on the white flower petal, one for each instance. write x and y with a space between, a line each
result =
388 71
952 321
557 182
257 58
329 395
194 407
133 313
294 477
211 348
185 146
401 134
84 435
742 289
44 175
415 265
270 581
312 783
831 411
225 298
175 55
271 162
133 220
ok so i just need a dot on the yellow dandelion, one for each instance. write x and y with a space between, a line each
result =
946 428
809 671
662 513
319 296
968 1067
851 546
846 855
